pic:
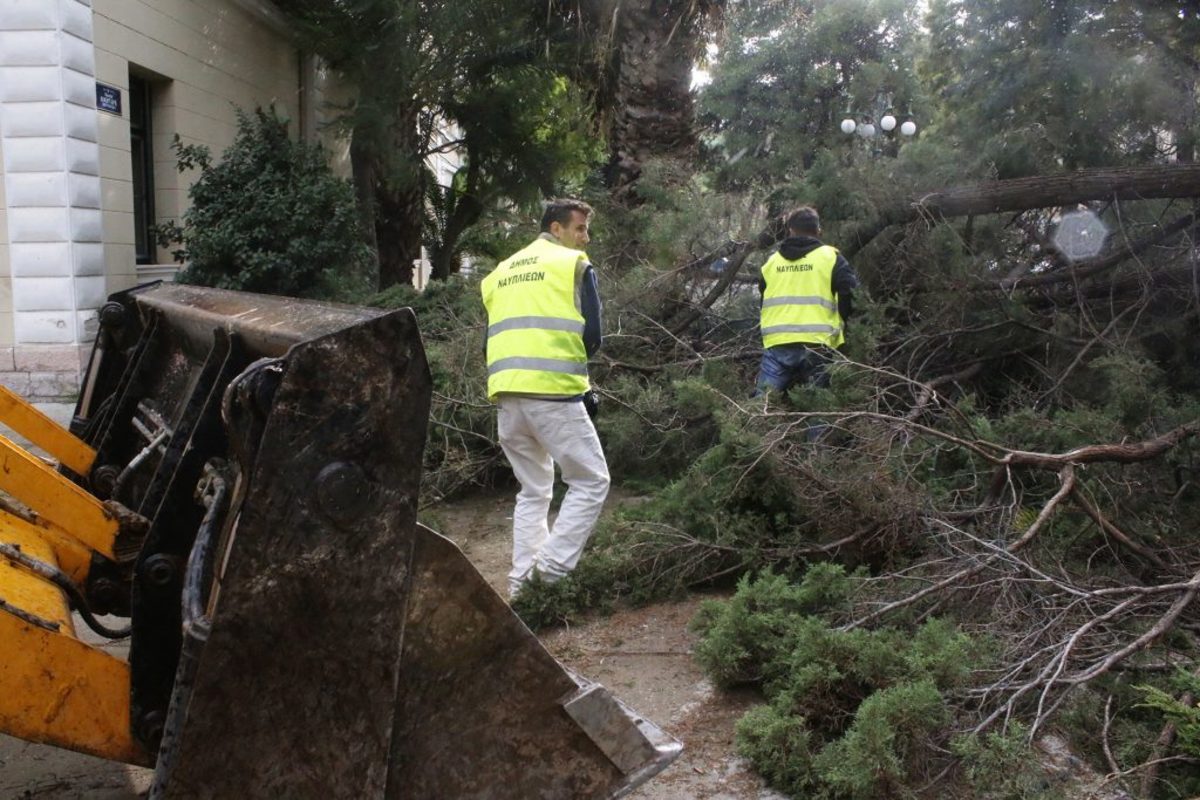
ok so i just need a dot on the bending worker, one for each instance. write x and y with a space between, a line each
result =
807 292
543 310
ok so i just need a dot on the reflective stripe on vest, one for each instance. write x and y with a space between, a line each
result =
800 300
546 364
540 323
798 303
826 329
535 332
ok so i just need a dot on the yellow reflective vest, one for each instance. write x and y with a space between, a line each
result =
799 304
535 332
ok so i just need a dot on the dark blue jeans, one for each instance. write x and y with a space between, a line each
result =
786 365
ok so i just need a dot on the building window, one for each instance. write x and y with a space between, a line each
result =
143 169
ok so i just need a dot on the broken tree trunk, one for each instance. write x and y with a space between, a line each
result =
649 98
1019 194
1044 191
1038 191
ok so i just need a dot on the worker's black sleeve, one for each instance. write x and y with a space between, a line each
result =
589 306
843 284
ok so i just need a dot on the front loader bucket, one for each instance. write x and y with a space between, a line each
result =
296 633
477 688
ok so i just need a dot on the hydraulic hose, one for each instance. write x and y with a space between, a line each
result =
60 579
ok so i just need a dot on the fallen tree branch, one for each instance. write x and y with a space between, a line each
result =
990 197
1162 746
1089 454
1113 766
1081 270
718 289
1116 533
1067 478
1116 453
1066 189
1145 640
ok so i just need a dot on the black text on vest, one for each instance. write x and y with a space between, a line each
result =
522 278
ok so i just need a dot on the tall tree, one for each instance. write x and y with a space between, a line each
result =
1077 83
525 132
788 72
639 57
414 67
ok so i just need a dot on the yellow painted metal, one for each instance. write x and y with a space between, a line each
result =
56 690
73 558
28 592
25 419
55 499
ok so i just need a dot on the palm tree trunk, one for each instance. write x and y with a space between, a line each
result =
391 193
363 170
655 46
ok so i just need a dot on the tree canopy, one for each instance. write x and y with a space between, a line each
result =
788 73
419 69
1042 85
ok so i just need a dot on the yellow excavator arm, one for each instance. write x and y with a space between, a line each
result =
240 482
56 689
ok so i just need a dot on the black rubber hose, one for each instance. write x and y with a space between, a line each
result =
60 579
193 582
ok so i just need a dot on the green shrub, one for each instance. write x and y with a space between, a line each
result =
849 713
542 605
1001 765
269 217
780 746
879 755
744 635
654 430
884 747
1186 717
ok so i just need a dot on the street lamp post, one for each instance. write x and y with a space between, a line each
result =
864 126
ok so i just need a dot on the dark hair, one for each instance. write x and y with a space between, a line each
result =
804 220
560 211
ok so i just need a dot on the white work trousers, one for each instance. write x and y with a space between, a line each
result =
536 434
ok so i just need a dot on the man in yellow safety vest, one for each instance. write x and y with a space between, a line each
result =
807 290
543 310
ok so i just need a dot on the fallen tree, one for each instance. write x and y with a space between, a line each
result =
1008 448
991 197
1039 191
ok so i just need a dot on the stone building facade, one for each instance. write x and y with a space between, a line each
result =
92 93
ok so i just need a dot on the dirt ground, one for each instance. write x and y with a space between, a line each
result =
642 655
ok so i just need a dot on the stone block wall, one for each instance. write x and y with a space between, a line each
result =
51 166
67 232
